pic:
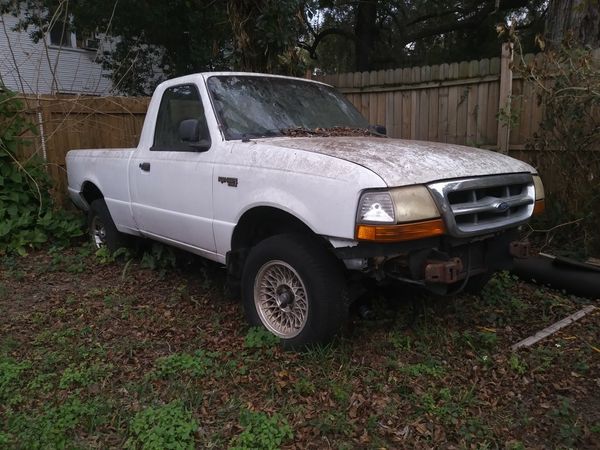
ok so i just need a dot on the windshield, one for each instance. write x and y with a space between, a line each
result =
250 106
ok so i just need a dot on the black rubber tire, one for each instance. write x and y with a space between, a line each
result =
323 280
476 283
114 239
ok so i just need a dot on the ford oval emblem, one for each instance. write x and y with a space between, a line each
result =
502 207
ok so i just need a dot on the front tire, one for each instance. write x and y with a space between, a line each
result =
102 229
295 288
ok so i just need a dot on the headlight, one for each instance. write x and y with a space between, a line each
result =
540 196
414 203
539 188
400 214
376 207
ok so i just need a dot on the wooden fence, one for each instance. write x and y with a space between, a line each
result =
477 103
68 122
455 103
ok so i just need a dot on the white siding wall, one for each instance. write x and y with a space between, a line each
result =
74 69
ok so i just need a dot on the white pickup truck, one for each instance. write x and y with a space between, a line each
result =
283 181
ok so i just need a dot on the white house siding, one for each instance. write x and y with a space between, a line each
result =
28 67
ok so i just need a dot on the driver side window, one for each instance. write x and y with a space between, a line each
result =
178 103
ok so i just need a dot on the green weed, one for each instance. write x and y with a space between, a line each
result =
105 256
429 368
168 426
498 289
517 364
178 364
340 392
333 422
159 257
304 387
28 217
480 340
83 375
447 404
259 337
61 338
55 427
401 342
261 431
11 373
569 429
43 382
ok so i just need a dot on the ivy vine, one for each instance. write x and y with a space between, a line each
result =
28 216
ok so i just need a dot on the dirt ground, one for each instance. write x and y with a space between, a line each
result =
102 354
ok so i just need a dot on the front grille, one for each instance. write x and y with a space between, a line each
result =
476 205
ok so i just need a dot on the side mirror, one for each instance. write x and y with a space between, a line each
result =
189 132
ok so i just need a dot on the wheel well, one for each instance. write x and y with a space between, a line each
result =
91 192
254 226
262 222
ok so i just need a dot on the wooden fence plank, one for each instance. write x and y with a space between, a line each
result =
442 132
452 114
433 116
505 96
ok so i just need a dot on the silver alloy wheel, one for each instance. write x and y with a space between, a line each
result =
281 299
98 232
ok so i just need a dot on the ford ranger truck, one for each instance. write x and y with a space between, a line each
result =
284 182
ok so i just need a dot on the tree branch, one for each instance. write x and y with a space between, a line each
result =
312 48
467 23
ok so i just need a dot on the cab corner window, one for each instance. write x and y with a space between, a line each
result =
180 123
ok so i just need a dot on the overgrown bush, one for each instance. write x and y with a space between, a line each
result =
28 217
566 147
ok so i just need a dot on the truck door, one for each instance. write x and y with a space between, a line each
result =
171 181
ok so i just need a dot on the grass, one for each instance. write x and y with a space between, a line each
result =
98 352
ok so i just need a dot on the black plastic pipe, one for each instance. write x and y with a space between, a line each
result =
574 277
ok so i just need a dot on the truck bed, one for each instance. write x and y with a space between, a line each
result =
107 168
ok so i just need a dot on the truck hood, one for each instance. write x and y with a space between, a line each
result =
401 162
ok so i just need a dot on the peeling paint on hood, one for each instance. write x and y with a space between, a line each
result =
401 162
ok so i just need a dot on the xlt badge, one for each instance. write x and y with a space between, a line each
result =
231 182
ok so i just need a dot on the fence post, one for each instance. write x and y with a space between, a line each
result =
504 112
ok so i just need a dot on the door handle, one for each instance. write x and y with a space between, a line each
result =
145 166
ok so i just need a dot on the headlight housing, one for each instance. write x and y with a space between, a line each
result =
539 188
540 195
376 207
398 214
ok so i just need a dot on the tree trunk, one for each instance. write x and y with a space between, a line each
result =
242 17
573 19
365 32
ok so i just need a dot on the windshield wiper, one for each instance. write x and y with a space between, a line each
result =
256 135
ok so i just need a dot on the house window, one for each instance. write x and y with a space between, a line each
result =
60 34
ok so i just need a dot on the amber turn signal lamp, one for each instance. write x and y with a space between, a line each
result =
402 232
539 207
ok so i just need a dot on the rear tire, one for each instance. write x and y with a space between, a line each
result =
102 229
295 288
